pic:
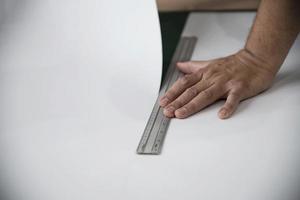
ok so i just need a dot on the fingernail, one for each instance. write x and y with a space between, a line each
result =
164 101
170 109
223 113
182 112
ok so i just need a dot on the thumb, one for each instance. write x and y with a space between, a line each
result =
230 105
192 66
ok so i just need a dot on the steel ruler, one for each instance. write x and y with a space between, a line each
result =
157 125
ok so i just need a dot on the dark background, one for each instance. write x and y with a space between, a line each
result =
172 24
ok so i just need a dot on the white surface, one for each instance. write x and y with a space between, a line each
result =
78 79
57 145
256 153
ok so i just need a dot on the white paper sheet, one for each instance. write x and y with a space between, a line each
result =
74 103
78 79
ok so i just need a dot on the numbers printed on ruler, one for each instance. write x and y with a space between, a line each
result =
157 125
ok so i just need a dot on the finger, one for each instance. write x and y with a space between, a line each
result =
191 66
230 105
179 87
184 98
203 99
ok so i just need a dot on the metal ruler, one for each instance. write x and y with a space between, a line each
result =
157 125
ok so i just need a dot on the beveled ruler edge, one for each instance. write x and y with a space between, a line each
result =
157 125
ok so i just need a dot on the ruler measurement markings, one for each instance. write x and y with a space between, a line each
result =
160 133
148 138
157 125
155 110
165 124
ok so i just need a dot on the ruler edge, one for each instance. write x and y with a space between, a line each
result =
168 76
170 72
185 56
178 55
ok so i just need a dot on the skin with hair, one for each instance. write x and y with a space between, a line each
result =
180 5
242 75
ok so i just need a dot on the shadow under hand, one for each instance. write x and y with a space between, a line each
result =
282 81
286 78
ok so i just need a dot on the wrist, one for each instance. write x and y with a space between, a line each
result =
249 57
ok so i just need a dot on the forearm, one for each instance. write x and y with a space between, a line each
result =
179 5
241 75
276 26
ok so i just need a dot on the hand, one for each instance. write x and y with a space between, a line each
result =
234 78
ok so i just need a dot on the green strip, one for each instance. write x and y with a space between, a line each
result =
172 24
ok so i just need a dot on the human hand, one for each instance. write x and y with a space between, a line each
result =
234 78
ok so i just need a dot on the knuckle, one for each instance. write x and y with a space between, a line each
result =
231 83
220 87
185 80
192 106
192 91
229 106
207 75
170 94
235 94
207 94
238 85
211 73
241 85
177 103
220 80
